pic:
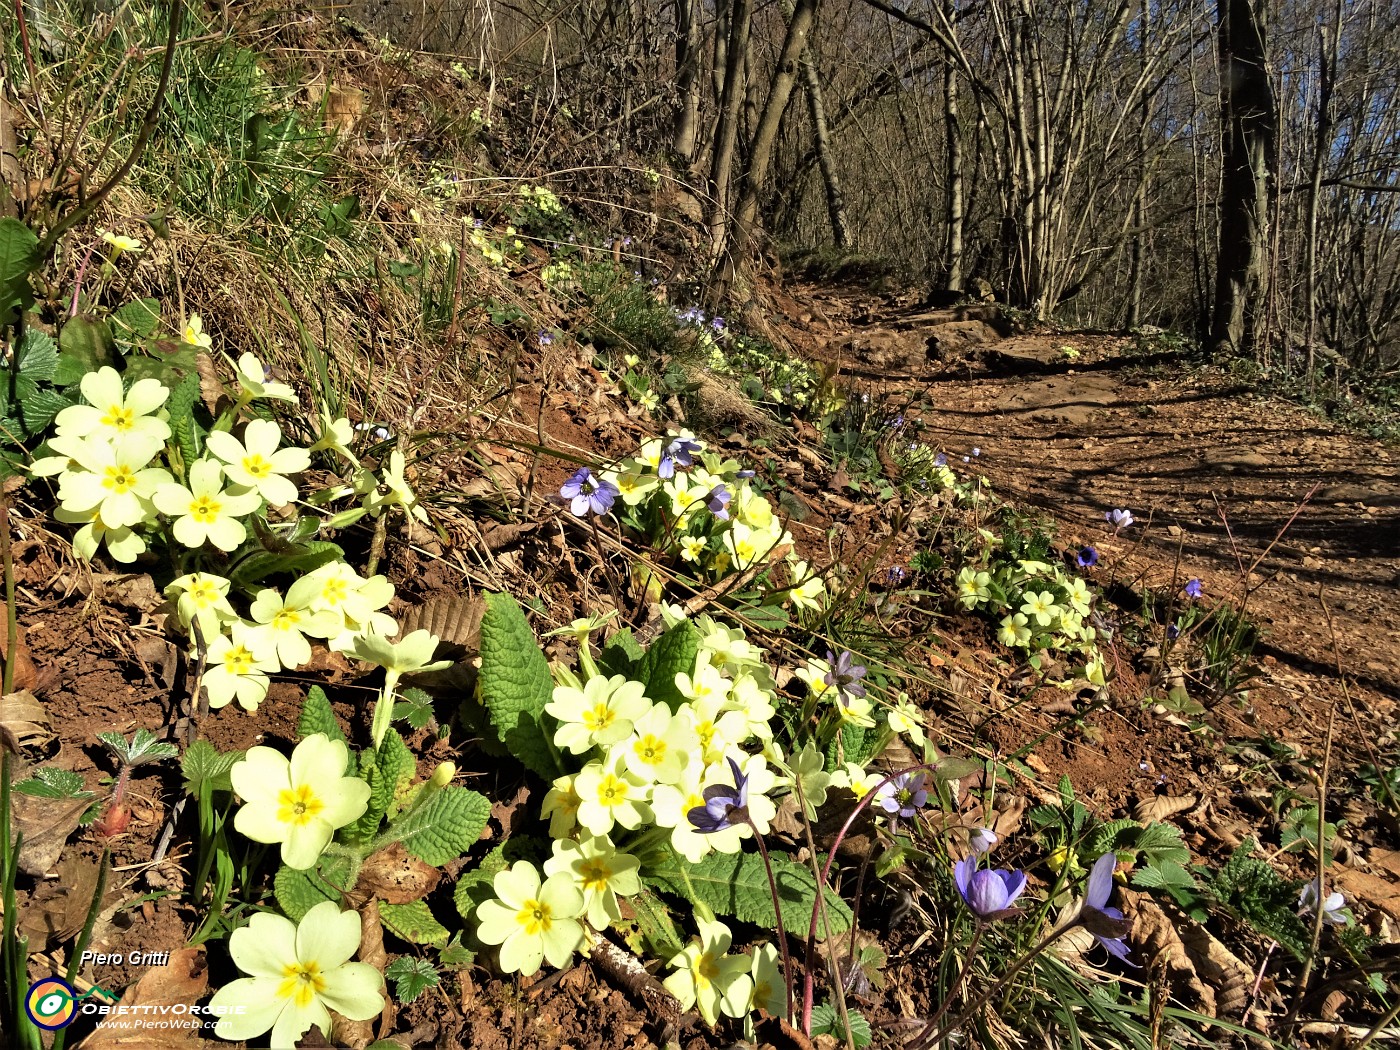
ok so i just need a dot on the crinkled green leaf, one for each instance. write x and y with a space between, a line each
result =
181 406
514 685
136 320
317 717
736 884
206 768
17 259
620 655
413 922
85 345
388 769
446 826
672 654
411 977
298 892
297 558
474 887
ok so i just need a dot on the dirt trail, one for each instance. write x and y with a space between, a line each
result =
1212 472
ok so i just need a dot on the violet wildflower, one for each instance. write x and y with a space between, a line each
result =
981 840
718 502
976 451
1106 924
724 806
1333 908
1193 588
679 452
940 460
587 494
845 674
990 893
1087 558
1118 518
904 796
717 324
1173 631
745 474
545 338
895 575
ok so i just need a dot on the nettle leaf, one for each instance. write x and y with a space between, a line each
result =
411 977
317 717
514 685
52 782
445 826
387 769
736 884
206 768
413 922
620 655
298 892
826 1020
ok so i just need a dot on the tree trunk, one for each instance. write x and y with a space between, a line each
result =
686 128
1322 142
831 178
731 98
1249 125
953 256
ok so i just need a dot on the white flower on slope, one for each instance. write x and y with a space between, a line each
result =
123 544
205 511
298 802
393 490
114 480
285 626
532 922
708 979
116 415
258 463
298 974
202 596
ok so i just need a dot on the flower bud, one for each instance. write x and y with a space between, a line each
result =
442 776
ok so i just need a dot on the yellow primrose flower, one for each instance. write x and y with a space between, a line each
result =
120 244
194 334
1013 631
299 973
123 544
1080 596
973 587
707 684
631 360
599 872
660 746
769 982
692 547
204 511
611 796
237 667
285 626
560 805
298 802
533 922
258 463
907 720
115 415
114 481
202 596
336 435
410 655
253 381
600 714
709 979
1041 606
808 590
394 490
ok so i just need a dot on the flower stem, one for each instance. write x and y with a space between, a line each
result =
778 913
968 957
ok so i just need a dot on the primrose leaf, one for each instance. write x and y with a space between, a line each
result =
474 886
17 245
137 319
298 891
386 770
515 684
620 655
181 407
317 717
736 884
413 922
446 826
672 654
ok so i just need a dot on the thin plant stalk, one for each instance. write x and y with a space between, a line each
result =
778 912
85 937
7 677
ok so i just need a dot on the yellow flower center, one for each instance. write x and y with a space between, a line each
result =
535 917
334 591
286 619
599 718
204 594
301 982
706 732
612 790
298 805
120 479
256 465
119 417
650 750
206 509
595 874
706 970
239 660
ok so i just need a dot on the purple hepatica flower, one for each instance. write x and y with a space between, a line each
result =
717 324
990 894
545 338
587 494
976 451
895 575
904 796
1173 631
940 460
981 840
1087 558
1193 588
678 451
1119 519
745 474
1105 923
718 502
724 806
845 674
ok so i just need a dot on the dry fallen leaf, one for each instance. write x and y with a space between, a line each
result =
24 676
161 991
58 908
1160 807
396 876
23 720
456 622
46 824
359 1034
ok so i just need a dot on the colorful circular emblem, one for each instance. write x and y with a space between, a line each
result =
50 1003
